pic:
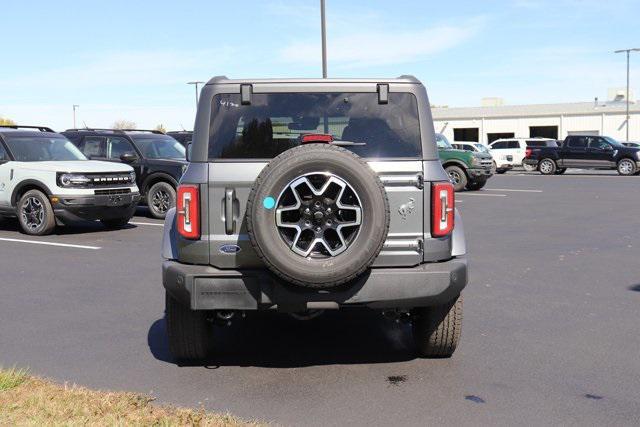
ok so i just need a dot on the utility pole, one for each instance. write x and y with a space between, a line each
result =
323 25
628 52
74 115
196 85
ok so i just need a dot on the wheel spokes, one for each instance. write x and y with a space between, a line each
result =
321 220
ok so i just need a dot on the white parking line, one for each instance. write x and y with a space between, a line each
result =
480 194
40 242
157 224
509 189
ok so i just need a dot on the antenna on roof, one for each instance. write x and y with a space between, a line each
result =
85 125
182 127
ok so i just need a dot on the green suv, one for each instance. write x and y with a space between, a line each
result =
466 169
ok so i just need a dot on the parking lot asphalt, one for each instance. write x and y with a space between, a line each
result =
550 333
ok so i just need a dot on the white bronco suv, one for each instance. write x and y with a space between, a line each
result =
45 180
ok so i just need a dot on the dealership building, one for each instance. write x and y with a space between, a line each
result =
494 120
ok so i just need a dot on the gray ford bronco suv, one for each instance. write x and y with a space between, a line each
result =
305 195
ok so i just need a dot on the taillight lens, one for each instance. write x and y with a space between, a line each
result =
188 211
527 153
442 208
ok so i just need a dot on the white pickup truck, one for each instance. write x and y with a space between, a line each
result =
510 152
45 180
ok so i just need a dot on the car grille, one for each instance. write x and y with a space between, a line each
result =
486 163
108 179
112 191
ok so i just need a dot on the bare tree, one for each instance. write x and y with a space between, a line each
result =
123 124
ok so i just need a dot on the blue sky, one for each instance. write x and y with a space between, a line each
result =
132 59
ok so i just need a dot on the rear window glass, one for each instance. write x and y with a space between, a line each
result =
274 122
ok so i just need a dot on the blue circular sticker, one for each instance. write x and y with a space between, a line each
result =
269 202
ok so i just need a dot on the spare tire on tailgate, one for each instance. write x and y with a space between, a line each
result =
317 215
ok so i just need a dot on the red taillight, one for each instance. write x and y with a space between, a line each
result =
527 152
316 137
442 208
188 211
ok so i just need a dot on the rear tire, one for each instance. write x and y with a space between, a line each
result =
35 213
457 176
436 330
547 167
189 331
160 198
627 167
115 222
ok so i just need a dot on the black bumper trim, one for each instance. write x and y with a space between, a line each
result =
91 207
207 288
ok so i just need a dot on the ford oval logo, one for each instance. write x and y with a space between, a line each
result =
230 249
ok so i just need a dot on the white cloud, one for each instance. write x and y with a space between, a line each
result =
382 47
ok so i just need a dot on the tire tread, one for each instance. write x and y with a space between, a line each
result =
189 332
436 330
251 200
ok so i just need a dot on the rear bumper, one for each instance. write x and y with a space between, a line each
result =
73 208
531 162
207 288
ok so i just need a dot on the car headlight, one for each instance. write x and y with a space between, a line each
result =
475 161
132 177
73 180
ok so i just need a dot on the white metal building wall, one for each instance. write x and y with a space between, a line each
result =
605 123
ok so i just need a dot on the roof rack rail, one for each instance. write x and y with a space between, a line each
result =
93 129
40 128
159 132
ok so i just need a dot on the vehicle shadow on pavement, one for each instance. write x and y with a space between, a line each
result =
277 341
79 227
635 288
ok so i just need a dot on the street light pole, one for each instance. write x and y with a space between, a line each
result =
196 86
628 52
74 115
323 25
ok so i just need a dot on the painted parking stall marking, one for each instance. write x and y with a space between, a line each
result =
40 242
157 224
466 193
513 189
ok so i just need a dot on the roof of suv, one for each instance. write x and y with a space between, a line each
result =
117 131
402 79
27 131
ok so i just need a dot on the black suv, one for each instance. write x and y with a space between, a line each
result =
158 160
182 136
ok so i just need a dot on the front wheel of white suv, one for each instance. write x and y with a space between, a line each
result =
436 330
35 213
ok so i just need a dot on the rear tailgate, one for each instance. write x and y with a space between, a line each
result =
230 184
